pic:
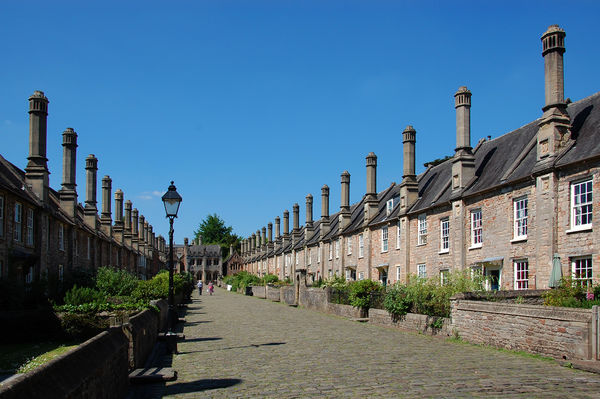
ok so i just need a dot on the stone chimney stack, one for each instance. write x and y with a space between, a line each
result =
36 172
555 127
286 223
409 188
127 223
134 228
463 163
325 224
146 233
118 227
199 239
296 223
344 218
270 231
308 227
253 242
277 228
371 194
264 237
141 233
106 217
91 171
68 192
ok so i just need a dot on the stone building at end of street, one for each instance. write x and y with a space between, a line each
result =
205 262
505 207
47 236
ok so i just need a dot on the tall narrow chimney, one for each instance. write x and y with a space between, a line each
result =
68 193
36 172
370 206
409 188
127 223
270 231
344 218
555 127
91 171
286 223
463 163
106 217
141 233
119 226
264 236
277 228
325 224
134 228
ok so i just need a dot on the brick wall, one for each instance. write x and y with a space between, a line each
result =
556 332
412 322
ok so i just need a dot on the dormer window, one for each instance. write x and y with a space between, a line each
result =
389 207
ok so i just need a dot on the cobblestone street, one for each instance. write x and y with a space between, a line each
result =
238 346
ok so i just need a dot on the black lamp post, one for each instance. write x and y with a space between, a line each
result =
171 199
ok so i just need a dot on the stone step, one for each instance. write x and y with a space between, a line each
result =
360 319
152 374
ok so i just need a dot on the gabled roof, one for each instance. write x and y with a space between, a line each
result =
392 191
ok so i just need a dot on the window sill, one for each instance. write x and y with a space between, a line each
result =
579 229
519 239
384 252
443 252
476 246
421 245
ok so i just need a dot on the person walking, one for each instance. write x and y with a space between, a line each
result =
211 288
200 287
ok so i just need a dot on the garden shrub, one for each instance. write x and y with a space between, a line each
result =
81 295
571 294
270 279
115 282
82 326
360 292
396 301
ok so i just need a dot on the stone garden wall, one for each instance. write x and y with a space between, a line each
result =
314 298
259 291
287 295
273 293
550 331
413 322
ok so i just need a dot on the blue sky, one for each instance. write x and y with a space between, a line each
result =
251 105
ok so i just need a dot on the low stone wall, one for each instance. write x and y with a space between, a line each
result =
142 333
163 307
259 291
345 311
314 298
273 293
98 368
287 295
550 331
412 321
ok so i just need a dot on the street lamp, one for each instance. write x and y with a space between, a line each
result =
171 199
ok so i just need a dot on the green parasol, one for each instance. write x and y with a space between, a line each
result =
556 274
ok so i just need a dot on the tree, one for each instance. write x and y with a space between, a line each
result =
214 231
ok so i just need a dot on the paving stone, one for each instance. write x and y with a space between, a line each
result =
241 346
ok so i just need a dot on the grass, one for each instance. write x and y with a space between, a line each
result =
21 358
458 340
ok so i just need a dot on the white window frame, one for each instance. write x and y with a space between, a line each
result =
476 228
330 250
581 205
444 276
521 274
61 273
29 227
520 217
1 216
389 207
582 265
18 234
384 239
61 237
361 245
422 229
319 253
398 273
398 234
422 270
337 248
29 275
444 235
361 275
349 245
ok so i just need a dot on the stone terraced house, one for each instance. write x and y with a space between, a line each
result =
47 235
503 208
204 261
